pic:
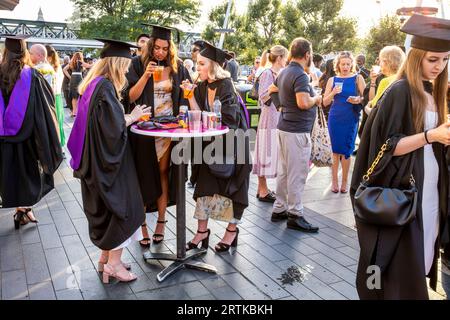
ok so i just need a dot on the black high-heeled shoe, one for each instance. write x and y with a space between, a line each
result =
205 242
222 247
158 235
22 218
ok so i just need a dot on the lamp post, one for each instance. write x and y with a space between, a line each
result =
225 24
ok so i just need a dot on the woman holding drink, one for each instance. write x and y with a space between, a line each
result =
344 92
224 196
154 80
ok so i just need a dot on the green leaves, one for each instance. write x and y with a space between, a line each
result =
386 33
121 19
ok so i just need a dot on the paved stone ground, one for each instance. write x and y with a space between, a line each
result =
56 259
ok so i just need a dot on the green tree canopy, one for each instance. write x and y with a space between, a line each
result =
319 22
386 33
121 19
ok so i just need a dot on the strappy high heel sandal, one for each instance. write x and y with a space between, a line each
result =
111 271
222 247
147 240
101 266
19 219
205 242
158 235
22 218
27 211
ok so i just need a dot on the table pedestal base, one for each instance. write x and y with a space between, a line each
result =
180 263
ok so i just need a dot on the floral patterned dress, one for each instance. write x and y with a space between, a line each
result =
163 107
266 152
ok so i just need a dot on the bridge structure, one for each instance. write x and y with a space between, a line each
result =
65 39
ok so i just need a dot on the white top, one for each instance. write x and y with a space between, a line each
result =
430 195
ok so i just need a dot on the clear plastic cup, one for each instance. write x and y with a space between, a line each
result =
188 91
376 69
195 120
339 85
157 75
318 91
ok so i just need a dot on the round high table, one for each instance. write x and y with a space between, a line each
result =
181 259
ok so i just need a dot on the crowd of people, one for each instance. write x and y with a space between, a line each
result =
398 106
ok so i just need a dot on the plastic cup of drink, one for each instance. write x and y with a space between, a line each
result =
318 90
195 120
157 74
205 120
188 91
339 85
376 69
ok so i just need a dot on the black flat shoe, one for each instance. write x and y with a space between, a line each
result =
222 247
300 223
278 216
270 197
158 235
205 242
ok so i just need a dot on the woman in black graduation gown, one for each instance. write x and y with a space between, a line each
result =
30 151
223 199
102 160
163 94
412 114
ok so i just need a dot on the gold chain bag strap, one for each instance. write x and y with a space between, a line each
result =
384 206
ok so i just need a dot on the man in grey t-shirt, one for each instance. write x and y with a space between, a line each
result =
297 117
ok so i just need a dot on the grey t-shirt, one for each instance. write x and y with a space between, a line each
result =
293 79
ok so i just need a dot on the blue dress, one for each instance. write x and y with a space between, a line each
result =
344 118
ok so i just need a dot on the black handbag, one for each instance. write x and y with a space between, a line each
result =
384 206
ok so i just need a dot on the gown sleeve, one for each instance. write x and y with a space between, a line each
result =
230 105
108 136
48 147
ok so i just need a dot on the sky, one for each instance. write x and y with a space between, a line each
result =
367 12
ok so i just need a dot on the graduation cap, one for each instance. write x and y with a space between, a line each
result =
163 33
16 43
215 54
429 33
115 48
200 44
142 35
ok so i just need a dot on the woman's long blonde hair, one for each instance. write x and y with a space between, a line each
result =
113 69
409 70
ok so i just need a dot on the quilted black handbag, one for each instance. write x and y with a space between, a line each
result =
384 206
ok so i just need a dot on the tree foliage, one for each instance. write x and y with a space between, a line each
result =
122 19
386 33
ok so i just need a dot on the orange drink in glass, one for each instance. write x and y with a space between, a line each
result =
157 74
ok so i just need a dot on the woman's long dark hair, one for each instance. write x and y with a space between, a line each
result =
329 72
11 67
171 59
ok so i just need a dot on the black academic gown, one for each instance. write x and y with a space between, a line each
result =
398 251
112 199
29 159
144 150
233 116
